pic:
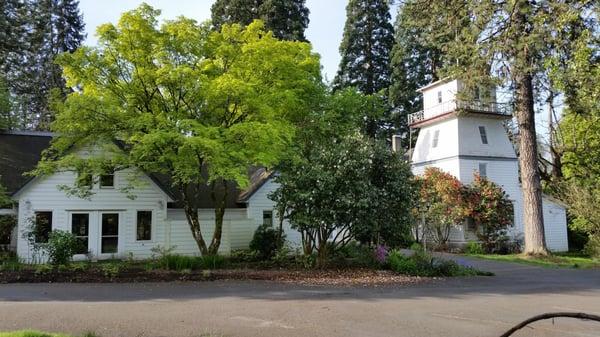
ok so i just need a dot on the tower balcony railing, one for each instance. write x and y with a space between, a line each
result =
494 108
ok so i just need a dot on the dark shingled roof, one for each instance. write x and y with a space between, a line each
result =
20 152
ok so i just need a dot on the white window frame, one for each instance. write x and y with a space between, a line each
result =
51 219
152 222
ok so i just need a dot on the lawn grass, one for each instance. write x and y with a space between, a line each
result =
568 260
33 333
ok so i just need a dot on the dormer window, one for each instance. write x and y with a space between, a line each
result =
483 135
107 180
436 137
439 96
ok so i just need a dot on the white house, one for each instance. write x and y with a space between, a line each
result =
462 136
110 224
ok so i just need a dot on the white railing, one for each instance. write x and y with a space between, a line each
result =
453 105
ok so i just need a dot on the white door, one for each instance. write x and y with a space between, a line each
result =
97 232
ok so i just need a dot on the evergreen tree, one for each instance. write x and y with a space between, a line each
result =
416 60
365 50
45 29
287 19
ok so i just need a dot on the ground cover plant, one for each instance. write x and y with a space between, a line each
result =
569 260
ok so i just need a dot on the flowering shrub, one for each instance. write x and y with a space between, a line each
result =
381 253
441 204
491 210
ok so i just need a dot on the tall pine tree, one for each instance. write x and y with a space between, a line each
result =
47 28
365 51
417 59
287 19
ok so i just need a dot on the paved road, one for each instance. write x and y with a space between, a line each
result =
480 306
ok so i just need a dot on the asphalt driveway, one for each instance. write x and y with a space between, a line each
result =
478 306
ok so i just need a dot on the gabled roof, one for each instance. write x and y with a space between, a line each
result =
20 151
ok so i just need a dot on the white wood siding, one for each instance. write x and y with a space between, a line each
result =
260 202
555 226
42 194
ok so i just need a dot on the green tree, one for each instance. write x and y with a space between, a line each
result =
393 197
287 19
6 118
196 105
365 64
43 29
513 40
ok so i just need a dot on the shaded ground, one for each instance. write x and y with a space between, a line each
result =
477 306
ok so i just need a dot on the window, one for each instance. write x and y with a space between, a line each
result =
483 135
268 218
144 226
436 137
483 170
80 227
107 180
43 226
109 231
439 97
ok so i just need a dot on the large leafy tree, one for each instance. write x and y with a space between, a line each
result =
332 200
513 40
287 19
196 105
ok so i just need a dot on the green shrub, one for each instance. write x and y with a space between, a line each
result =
474 248
61 247
244 255
111 269
266 241
423 264
212 262
179 262
358 255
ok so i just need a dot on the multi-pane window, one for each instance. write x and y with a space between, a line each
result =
483 135
268 218
436 137
43 226
80 227
109 231
483 170
144 226
439 97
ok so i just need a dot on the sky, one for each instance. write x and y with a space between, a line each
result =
325 30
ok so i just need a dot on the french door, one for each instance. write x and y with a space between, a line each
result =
97 233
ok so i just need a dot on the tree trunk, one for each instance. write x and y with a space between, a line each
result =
191 213
535 242
220 201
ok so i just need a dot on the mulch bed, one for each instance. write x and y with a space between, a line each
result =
345 277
